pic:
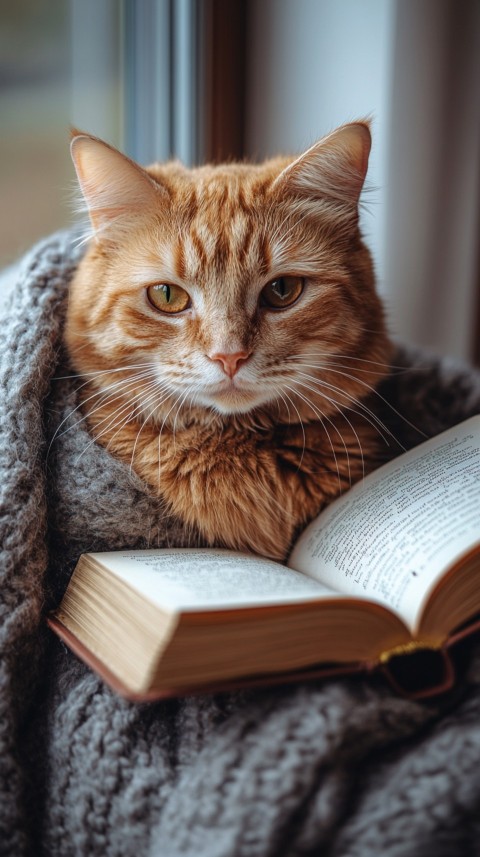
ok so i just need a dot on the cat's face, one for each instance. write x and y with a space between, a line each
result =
227 289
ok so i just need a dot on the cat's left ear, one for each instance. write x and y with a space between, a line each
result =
112 184
335 167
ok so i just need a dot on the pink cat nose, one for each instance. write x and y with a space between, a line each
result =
231 362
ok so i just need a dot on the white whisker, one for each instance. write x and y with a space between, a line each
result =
112 421
331 356
162 427
342 413
301 426
321 417
182 400
154 386
101 392
375 422
279 394
152 365
379 395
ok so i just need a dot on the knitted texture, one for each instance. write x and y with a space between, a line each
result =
342 768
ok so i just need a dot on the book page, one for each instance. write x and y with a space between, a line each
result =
391 537
192 579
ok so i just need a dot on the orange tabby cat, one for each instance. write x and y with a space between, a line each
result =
226 320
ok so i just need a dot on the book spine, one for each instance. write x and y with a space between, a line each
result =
419 671
407 649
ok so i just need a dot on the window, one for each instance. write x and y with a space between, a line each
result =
35 172
218 79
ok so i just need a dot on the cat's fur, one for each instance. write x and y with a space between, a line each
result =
249 459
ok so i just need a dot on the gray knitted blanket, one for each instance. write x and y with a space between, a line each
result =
342 767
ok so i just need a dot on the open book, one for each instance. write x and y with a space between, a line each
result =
390 567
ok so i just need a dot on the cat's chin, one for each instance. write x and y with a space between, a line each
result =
233 409
233 401
234 404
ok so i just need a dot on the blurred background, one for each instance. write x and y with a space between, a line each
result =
220 79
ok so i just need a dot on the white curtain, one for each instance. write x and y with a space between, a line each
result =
432 215
414 65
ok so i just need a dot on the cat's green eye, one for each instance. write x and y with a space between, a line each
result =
282 292
168 297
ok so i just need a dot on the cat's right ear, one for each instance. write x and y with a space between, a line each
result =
112 185
334 168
